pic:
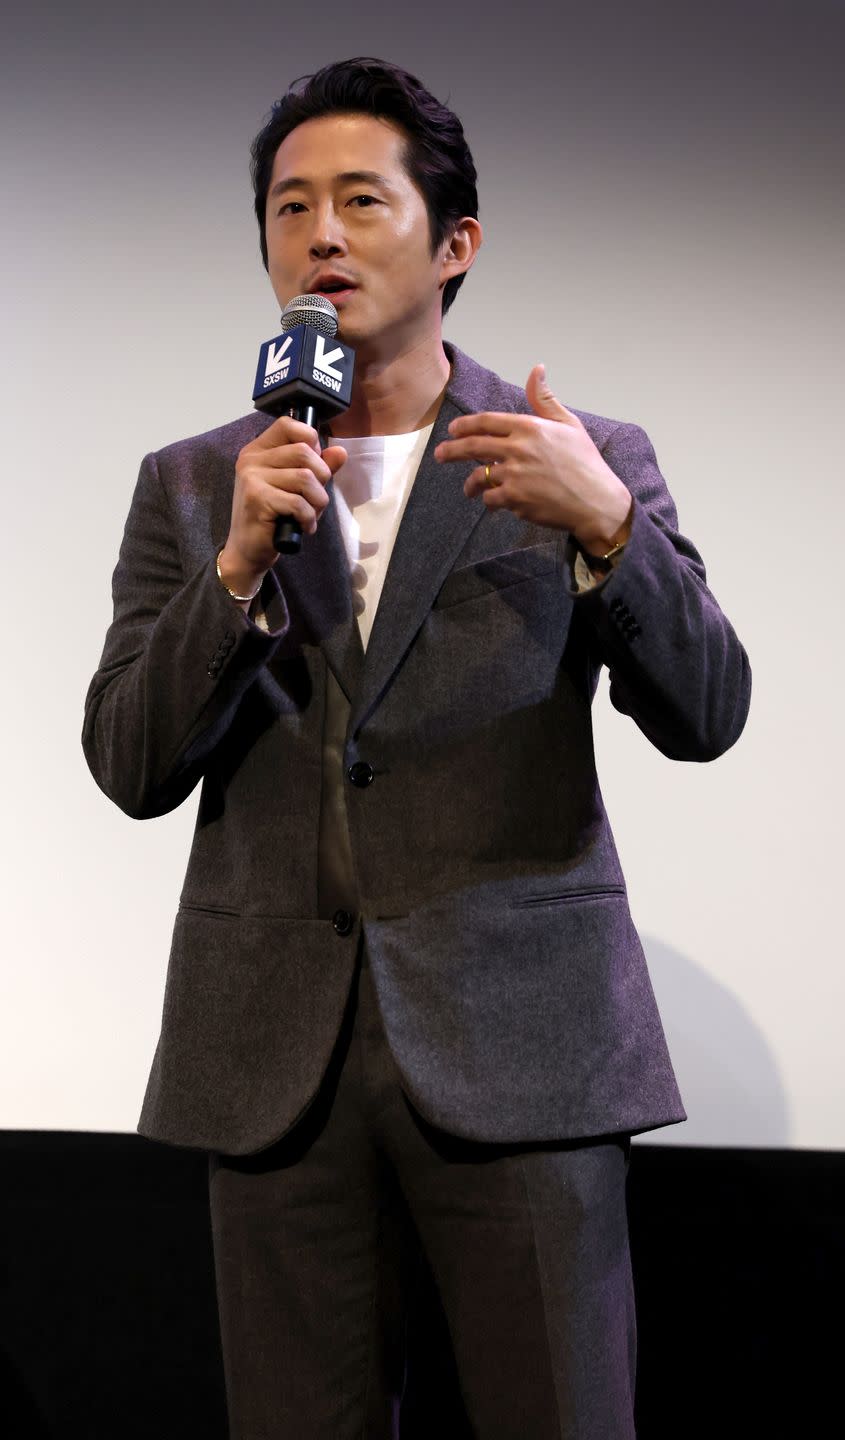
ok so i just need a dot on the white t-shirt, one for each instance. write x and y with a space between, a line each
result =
371 492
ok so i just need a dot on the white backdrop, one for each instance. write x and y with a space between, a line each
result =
663 227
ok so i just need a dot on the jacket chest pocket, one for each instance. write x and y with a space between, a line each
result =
498 574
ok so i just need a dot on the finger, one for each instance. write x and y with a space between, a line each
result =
478 480
285 502
497 498
305 507
301 496
486 448
299 482
298 456
489 422
287 431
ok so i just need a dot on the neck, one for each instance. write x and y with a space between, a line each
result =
394 396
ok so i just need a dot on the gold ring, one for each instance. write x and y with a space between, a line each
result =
489 482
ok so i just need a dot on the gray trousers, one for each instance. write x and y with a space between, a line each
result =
316 1246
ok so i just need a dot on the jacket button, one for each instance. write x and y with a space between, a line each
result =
343 922
361 774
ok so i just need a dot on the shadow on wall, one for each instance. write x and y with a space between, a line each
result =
729 1080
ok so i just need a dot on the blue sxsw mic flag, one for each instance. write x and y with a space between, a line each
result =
302 366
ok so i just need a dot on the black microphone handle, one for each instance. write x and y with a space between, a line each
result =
287 535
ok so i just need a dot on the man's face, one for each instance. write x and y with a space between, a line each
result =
342 208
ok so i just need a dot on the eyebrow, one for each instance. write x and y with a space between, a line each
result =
355 177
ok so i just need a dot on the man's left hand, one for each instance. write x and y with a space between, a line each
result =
544 467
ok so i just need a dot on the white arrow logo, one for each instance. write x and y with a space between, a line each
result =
276 358
323 362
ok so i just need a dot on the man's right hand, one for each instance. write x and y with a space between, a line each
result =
282 472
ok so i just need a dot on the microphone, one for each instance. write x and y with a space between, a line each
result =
303 374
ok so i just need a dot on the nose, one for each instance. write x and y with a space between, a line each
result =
327 238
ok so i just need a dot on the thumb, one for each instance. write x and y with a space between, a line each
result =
543 401
334 456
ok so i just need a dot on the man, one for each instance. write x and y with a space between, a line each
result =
405 1000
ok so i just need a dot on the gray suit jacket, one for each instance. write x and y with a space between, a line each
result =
512 983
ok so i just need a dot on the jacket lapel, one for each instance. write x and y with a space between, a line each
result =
436 525
316 581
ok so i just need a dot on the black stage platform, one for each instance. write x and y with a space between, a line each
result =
108 1324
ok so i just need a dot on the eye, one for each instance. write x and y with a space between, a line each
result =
290 207
363 201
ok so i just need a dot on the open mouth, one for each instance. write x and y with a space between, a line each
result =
338 298
334 288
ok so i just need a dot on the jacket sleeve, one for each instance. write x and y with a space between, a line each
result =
676 665
178 657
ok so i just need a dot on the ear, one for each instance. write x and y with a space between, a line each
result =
458 253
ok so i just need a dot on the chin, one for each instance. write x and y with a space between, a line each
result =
358 336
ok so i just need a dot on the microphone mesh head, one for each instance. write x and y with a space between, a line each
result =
313 310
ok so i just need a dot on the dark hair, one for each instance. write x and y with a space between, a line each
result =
437 157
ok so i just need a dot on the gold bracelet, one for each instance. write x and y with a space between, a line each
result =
241 599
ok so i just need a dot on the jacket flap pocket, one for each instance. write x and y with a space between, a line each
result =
497 573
